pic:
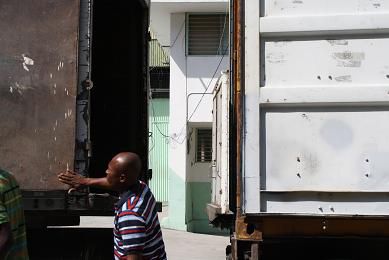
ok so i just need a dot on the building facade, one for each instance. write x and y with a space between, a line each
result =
195 35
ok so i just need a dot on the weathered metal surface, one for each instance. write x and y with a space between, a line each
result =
273 226
301 7
326 149
38 81
247 230
342 62
83 147
321 108
221 144
252 70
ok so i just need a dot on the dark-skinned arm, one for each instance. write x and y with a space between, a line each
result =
5 238
78 181
134 257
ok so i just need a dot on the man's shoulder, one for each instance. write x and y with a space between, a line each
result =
6 179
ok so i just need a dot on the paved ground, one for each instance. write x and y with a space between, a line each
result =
179 245
190 246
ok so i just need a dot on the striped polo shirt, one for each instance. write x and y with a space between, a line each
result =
137 228
11 210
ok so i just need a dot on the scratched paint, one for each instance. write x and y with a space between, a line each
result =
344 78
349 59
19 88
27 62
325 62
327 7
338 42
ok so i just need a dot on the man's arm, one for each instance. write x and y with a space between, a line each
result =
5 238
78 181
134 257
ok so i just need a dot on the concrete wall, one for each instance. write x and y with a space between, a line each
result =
190 76
198 186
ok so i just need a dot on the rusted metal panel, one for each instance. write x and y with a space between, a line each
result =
287 226
247 230
261 227
238 95
38 83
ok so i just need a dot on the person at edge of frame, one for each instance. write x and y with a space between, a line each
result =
137 232
13 240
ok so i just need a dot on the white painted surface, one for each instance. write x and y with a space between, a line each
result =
329 149
190 77
200 72
251 130
324 94
317 7
161 9
330 95
220 144
197 171
178 94
325 24
343 62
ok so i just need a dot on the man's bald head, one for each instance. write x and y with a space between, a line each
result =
129 164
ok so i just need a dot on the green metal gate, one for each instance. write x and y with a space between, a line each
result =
158 147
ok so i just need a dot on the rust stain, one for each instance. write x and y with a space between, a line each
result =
238 78
277 226
246 230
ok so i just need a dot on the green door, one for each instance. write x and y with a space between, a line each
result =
158 147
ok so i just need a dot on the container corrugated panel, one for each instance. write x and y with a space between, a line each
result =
158 147
323 120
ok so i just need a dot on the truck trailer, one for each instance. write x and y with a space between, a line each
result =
73 93
306 137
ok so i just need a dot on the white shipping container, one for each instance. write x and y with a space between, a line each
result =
316 115
220 149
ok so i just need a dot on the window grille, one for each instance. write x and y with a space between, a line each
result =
204 145
207 34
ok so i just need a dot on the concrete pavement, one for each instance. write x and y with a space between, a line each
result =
180 245
190 246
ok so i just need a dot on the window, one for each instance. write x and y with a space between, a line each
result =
207 34
204 145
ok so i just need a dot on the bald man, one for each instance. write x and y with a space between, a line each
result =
137 233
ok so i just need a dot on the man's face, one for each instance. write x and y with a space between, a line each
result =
114 177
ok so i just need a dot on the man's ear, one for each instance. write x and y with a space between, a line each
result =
123 178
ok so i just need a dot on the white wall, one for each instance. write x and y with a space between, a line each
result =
162 9
197 171
194 74
190 77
